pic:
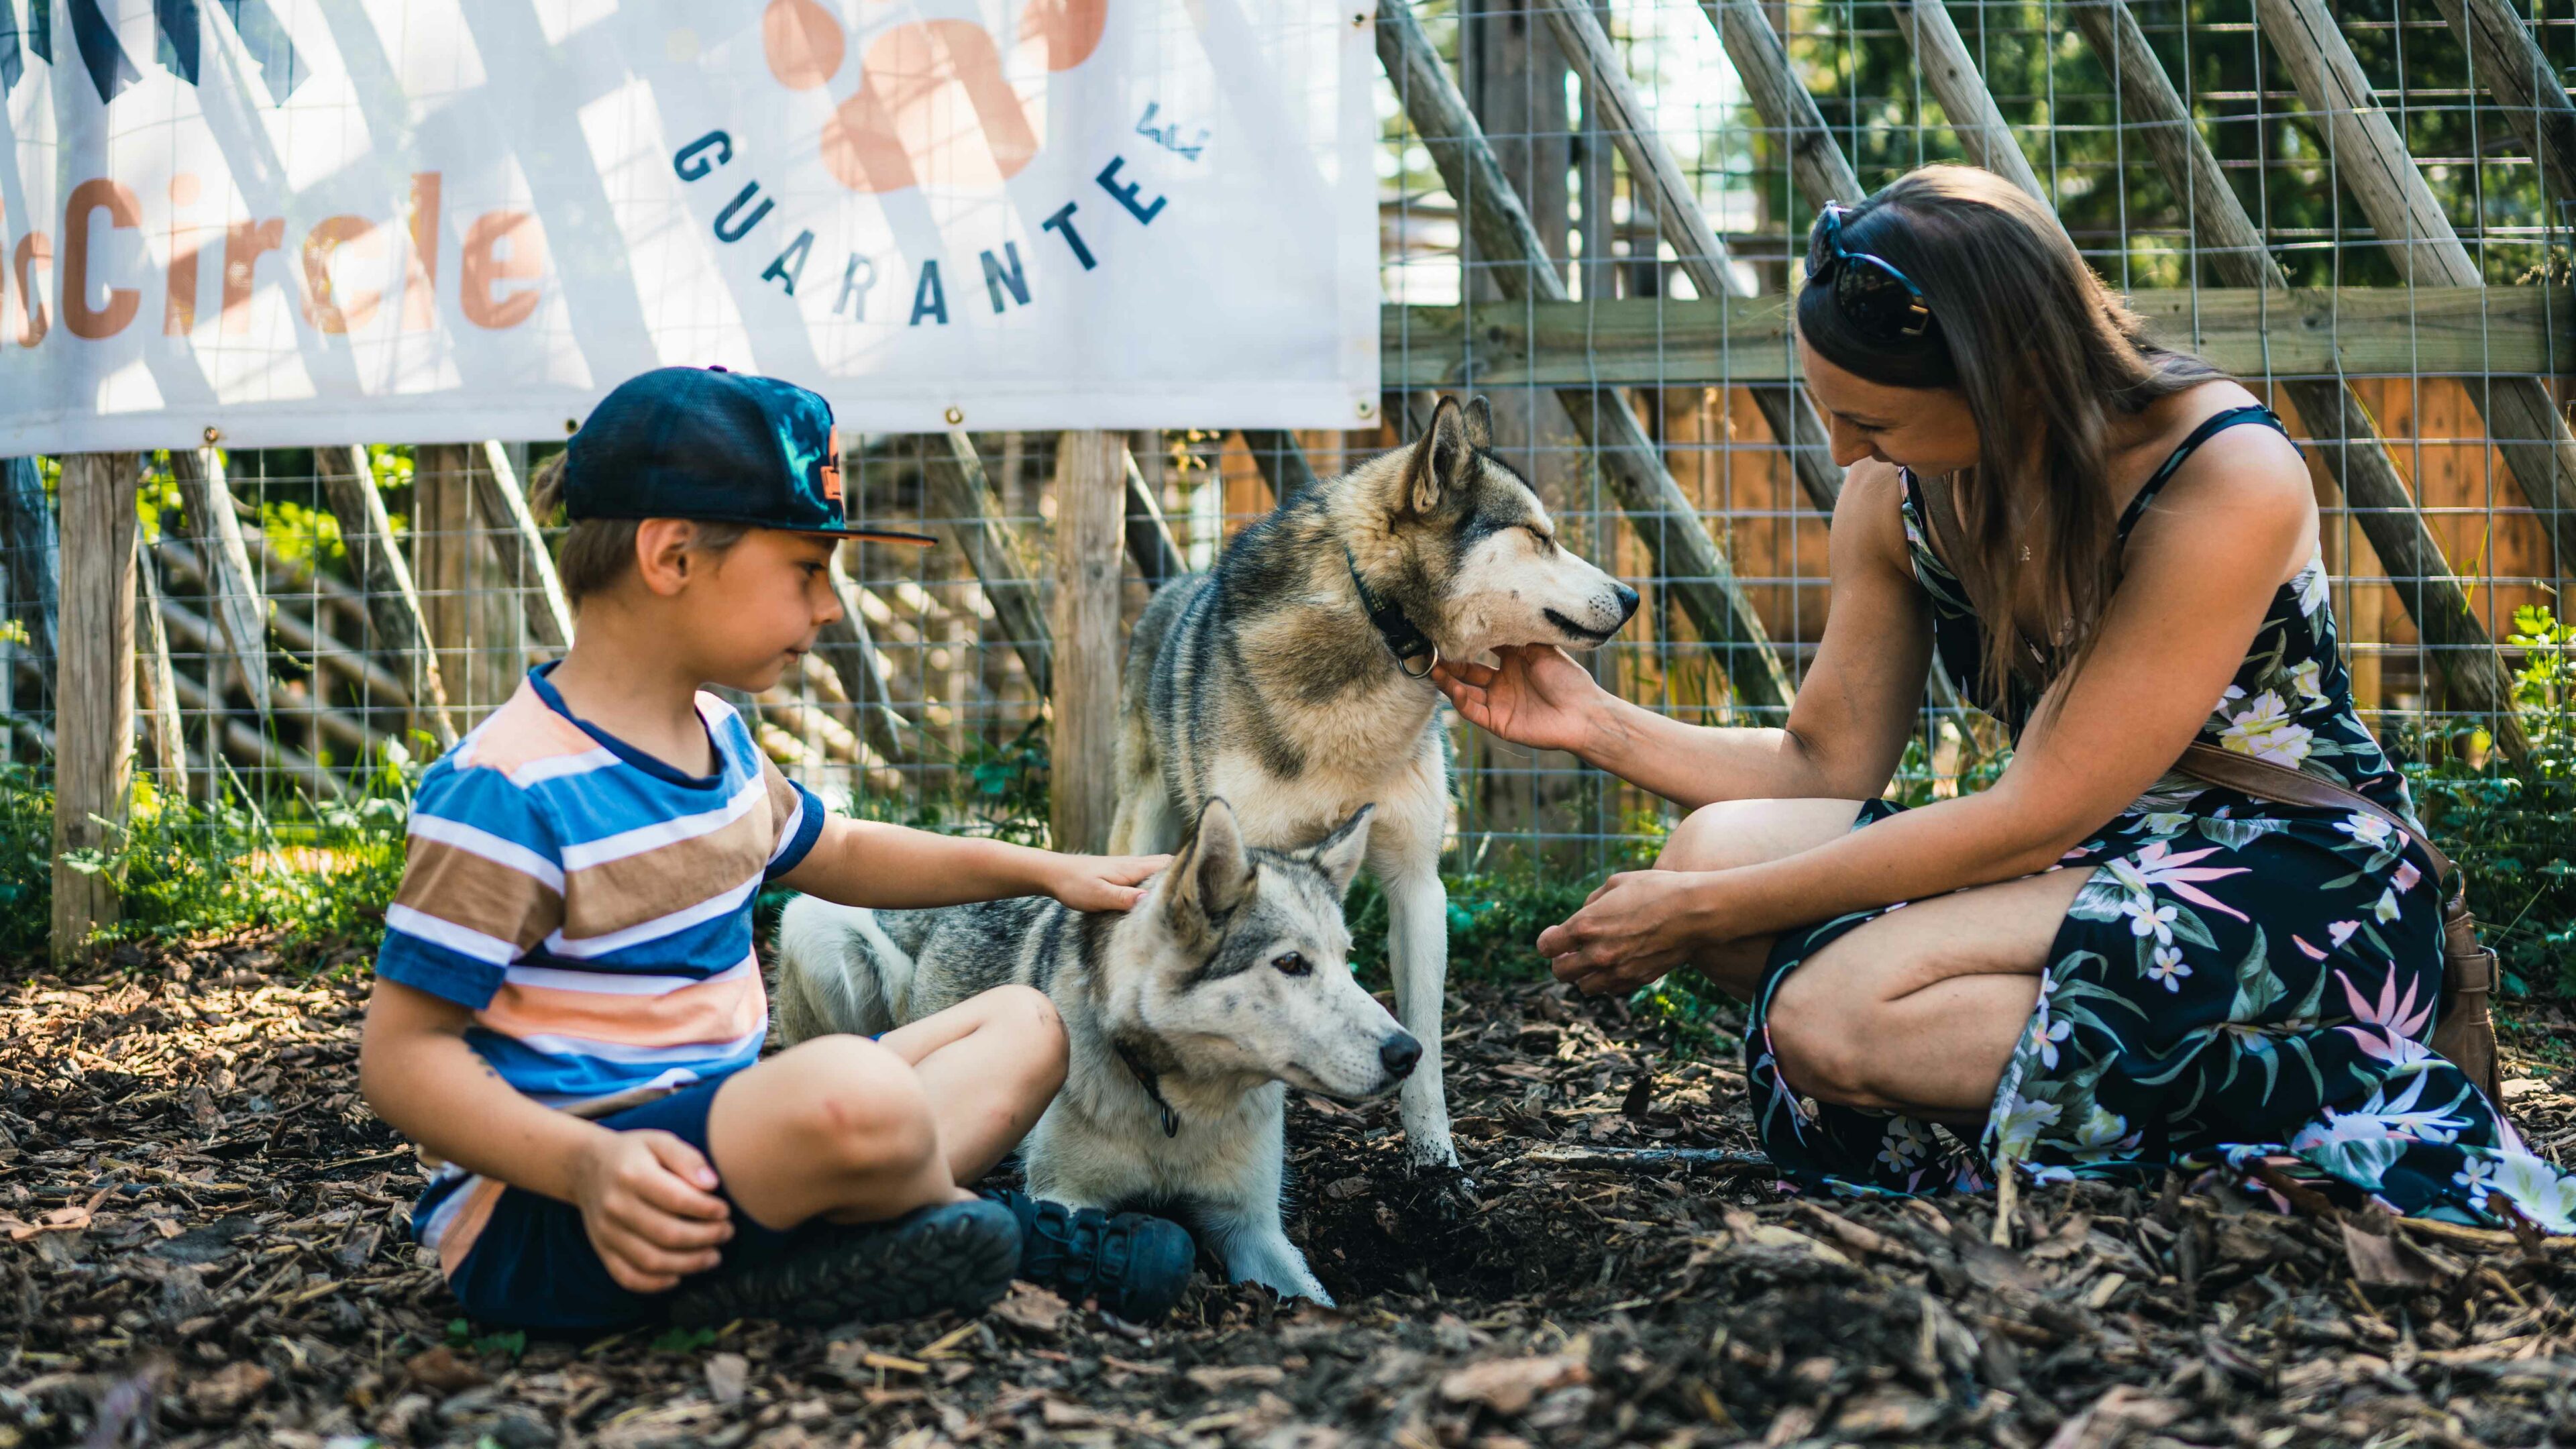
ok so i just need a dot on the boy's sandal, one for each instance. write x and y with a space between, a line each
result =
952 1255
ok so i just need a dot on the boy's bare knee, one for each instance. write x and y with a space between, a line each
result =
1037 1031
861 1107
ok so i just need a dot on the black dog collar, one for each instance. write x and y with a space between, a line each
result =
1403 639
1147 1078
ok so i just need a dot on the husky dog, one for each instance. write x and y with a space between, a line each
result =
1291 681
1184 1019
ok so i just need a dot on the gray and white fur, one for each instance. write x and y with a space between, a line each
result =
1266 681
1227 984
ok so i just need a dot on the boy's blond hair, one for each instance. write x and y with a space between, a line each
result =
595 553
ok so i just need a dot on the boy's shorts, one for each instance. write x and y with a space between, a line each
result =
532 1266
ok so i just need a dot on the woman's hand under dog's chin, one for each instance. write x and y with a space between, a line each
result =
1536 696
1636 927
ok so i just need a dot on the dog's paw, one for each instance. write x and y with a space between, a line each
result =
1445 1191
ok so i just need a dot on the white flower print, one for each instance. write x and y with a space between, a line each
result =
2017 1125
2304 678
2166 968
2044 1037
2166 822
1903 1144
2386 910
2537 1189
2312 586
2266 732
2369 830
2341 931
2146 918
2407 875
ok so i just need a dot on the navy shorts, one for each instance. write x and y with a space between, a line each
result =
532 1265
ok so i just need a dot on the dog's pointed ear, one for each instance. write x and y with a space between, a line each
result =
1213 872
1441 460
1339 854
1480 422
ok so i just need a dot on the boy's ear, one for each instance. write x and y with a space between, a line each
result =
662 553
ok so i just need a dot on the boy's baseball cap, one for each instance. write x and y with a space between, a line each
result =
715 446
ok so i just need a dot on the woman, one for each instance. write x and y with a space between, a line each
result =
2125 536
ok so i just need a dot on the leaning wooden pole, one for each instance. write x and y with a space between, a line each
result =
967 510
522 546
1942 56
2369 157
393 605
1082 746
1283 465
846 645
27 531
1149 539
1685 226
232 589
156 686
2338 422
1690 564
2507 60
93 690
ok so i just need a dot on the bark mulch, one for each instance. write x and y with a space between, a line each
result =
202 1241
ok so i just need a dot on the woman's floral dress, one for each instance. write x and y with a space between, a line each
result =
2238 980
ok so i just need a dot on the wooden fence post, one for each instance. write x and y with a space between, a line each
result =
393 605
232 589
1694 568
93 688
444 552
2339 423
2369 157
1702 257
1090 513
969 513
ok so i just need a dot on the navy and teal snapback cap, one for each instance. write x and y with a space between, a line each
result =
715 446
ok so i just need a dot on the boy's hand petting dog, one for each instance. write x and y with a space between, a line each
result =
647 1200
1102 882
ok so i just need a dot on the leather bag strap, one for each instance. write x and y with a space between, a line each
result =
2265 780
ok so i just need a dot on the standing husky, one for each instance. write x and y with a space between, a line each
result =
1291 681
1183 1017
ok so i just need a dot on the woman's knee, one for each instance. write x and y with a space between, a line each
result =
1821 1045
1733 833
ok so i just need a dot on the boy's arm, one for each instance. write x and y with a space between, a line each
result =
646 1197
869 863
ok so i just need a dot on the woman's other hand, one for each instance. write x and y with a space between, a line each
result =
1638 926
1538 697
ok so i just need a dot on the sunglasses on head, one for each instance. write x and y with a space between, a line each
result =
1877 299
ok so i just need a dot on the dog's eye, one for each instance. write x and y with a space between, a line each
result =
1293 964
1541 535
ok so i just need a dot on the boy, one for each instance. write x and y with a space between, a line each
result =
574 932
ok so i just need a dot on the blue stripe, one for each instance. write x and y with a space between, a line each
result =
448 975
701 950
809 828
613 801
542 1074
487 801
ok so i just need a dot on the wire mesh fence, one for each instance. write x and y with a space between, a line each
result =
929 703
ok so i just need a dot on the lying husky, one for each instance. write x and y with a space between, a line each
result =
1290 681
1184 1016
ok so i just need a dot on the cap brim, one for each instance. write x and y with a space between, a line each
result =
874 535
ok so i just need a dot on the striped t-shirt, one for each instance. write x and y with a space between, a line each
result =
592 906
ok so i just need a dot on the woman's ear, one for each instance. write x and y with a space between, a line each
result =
662 547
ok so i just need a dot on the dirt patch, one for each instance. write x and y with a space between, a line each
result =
202 1240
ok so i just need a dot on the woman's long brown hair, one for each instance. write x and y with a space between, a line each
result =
2047 356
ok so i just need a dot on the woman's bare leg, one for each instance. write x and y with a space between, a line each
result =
858 1130
1736 833
1919 1010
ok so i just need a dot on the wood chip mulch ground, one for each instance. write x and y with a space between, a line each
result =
202 1241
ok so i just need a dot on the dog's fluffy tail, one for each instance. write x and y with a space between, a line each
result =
838 971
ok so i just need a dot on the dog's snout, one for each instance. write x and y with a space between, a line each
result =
1398 1054
1627 602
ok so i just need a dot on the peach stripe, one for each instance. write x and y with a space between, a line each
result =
467 1225
711 1011
525 730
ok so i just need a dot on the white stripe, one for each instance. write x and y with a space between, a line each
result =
707 910
787 835
444 1216
489 846
463 940
663 832
619 983
674 1079
555 767
702 1052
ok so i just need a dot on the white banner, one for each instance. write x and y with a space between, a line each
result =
335 221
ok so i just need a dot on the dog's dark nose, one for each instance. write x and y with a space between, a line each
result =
1627 602
1398 1053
